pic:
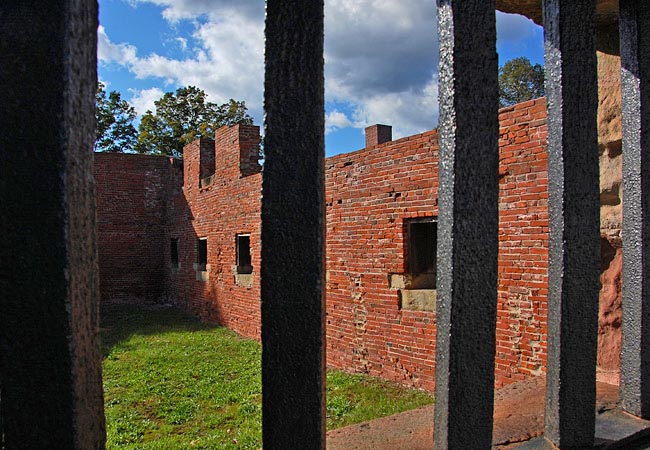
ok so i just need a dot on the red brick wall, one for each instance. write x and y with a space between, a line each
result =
131 194
369 196
219 212
523 243
369 193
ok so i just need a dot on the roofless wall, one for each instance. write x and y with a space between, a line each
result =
198 245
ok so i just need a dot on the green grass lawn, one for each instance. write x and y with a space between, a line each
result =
172 382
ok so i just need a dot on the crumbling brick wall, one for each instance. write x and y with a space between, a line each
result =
380 313
523 242
369 196
218 210
372 324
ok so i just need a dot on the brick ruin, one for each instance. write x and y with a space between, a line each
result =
187 232
51 321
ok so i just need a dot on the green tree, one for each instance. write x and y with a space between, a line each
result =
519 81
114 117
184 116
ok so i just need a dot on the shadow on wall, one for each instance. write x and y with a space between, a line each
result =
131 196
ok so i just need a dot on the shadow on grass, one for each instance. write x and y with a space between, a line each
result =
119 322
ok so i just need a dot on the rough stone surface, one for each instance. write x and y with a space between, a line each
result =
635 364
609 143
418 299
611 189
607 10
609 313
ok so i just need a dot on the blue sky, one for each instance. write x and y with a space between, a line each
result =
380 58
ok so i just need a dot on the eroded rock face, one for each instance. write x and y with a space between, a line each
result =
606 18
609 143
609 311
611 183
607 10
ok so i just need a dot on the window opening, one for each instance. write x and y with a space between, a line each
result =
174 253
243 242
202 258
421 250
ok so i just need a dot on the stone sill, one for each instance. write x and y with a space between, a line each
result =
244 280
418 299
202 272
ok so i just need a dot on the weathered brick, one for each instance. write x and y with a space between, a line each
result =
370 196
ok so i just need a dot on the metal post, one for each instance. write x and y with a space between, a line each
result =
468 224
50 360
635 65
293 229
574 221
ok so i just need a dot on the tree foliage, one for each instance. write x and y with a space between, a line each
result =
114 117
519 81
184 116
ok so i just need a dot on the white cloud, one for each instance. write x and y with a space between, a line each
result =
408 112
182 42
108 52
380 57
176 10
379 46
143 99
335 119
228 64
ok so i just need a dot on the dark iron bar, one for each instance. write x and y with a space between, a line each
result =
293 229
50 360
635 64
574 221
468 224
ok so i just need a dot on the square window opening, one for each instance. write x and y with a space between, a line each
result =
243 243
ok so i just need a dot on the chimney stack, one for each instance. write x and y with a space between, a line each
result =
378 134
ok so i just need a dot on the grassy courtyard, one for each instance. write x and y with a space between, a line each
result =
172 382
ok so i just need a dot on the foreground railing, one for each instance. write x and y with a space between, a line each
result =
50 384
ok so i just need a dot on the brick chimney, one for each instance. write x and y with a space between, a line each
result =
198 161
238 149
378 134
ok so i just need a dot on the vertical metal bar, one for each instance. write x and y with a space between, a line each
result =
574 246
468 240
635 65
293 228
50 360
